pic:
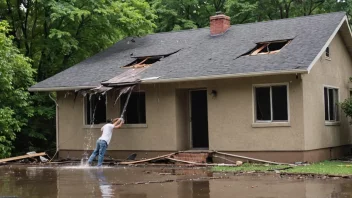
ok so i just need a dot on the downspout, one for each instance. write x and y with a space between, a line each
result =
57 125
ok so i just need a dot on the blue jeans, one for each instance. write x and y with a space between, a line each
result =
99 149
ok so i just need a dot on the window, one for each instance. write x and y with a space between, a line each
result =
270 47
135 110
327 52
331 104
95 109
271 103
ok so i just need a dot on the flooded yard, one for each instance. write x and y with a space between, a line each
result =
123 182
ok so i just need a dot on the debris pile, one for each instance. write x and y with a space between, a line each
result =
30 157
197 159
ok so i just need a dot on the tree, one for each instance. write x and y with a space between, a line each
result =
190 14
57 34
15 77
184 14
244 11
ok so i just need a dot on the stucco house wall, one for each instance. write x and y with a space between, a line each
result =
333 72
230 116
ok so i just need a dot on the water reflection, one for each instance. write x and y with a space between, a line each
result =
73 182
194 189
104 186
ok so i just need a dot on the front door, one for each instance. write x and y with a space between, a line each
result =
199 119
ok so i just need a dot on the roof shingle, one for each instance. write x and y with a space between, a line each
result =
203 55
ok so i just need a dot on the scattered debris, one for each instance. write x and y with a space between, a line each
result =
147 160
253 159
43 159
168 180
239 163
30 155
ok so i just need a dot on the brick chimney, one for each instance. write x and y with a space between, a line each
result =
219 24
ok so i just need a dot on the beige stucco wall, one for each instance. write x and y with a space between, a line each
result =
336 73
159 134
230 115
230 119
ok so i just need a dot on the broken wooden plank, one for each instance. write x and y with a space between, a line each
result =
199 164
183 161
224 159
147 160
22 157
253 159
255 52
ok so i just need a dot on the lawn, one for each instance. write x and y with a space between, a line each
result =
326 167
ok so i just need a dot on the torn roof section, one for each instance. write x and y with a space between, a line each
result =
133 72
203 55
129 77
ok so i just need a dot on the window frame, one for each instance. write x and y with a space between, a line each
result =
271 122
337 111
85 124
136 125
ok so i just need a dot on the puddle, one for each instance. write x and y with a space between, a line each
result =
75 181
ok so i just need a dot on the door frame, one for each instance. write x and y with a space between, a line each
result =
190 115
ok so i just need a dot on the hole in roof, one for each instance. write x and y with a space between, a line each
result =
142 62
270 47
146 61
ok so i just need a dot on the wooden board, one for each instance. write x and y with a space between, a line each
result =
253 159
199 164
22 157
147 160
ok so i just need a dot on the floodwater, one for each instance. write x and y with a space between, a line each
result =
61 181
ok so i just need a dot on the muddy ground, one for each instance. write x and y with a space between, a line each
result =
139 182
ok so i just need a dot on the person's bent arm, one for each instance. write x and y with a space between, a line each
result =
118 123
116 119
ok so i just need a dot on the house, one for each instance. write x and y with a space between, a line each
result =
268 90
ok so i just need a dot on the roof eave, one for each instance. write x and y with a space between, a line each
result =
49 89
216 77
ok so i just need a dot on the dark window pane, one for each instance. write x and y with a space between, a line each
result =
263 110
96 109
279 101
135 111
336 104
88 111
331 104
327 52
326 103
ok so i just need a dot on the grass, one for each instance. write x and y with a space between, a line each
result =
326 167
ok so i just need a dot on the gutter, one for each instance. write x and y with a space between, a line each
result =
61 88
216 77
157 80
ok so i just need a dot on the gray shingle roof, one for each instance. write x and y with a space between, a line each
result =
203 55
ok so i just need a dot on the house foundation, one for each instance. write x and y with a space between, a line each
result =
276 156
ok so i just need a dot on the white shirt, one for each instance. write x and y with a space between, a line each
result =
107 132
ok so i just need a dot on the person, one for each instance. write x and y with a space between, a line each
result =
104 140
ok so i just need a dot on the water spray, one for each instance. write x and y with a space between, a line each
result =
126 103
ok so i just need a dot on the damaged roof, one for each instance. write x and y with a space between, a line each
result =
201 55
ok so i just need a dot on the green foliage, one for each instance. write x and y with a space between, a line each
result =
57 34
249 167
346 107
326 167
244 11
190 14
15 78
